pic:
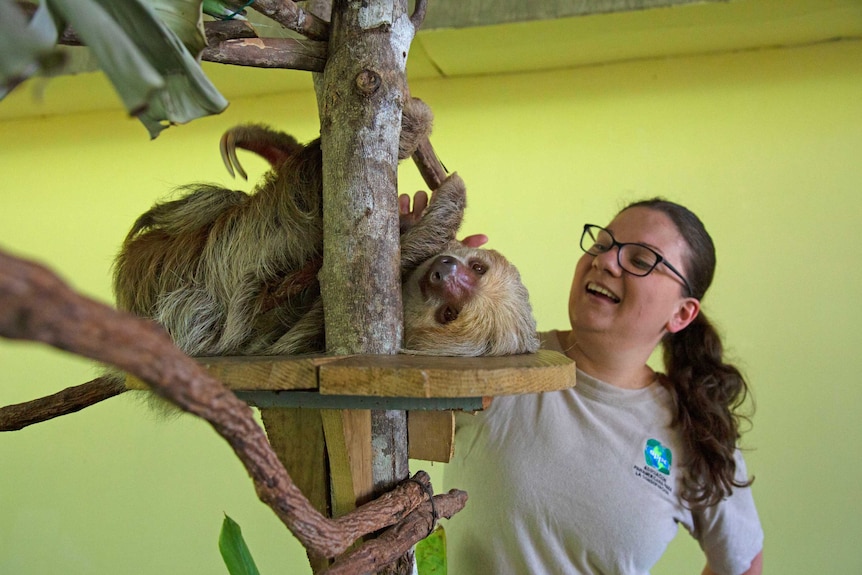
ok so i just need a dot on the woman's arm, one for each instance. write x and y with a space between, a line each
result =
755 569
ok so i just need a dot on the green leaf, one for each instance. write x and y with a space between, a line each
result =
234 551
151 67
157 78
185 19
431 553
25 49
131 73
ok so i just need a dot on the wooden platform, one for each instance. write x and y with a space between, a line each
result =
396 381
317 409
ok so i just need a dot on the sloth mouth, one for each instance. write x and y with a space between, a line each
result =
596 289
447 314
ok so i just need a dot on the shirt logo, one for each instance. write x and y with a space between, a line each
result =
658 456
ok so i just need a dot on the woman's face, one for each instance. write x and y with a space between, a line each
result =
632 310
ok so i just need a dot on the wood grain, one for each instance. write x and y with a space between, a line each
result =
348 445
431 435
424 376
252 373
394 375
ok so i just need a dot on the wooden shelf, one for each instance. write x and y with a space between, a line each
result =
426 386
380 381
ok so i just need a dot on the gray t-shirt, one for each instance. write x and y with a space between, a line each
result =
585 480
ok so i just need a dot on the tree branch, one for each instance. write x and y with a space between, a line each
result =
418 16
374 554
70 400
292 17
36 305
220 30
269 53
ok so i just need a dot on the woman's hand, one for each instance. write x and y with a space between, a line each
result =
756 567
475 240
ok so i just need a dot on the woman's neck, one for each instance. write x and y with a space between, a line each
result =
627 370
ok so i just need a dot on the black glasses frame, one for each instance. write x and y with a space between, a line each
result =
659 259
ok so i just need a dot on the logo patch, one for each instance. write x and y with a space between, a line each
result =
658 456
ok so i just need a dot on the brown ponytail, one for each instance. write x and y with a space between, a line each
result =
707 392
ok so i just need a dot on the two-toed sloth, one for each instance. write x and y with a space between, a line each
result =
230 273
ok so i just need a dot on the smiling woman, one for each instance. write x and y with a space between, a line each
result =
636 259
627 454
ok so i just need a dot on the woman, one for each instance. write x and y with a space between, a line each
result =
596 478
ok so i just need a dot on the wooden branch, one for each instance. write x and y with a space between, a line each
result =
269 53
220 30
418 16
373 555
36 305
292 17
394 505
432 171
70 400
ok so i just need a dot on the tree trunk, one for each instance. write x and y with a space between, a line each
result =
363 90
360 97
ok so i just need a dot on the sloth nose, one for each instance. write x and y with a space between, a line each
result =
442 268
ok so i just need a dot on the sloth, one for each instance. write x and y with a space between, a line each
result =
230 273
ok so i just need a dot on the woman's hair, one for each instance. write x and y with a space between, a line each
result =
706 391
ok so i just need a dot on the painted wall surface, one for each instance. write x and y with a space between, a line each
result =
763 145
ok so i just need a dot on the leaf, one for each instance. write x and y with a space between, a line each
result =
25 49
131 73
157 78
234 551
153 70
431 553
185 19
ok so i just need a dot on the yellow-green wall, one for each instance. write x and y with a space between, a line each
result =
764 145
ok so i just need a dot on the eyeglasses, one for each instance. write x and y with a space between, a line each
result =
636 259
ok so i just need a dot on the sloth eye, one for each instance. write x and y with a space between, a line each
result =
447 314
479 267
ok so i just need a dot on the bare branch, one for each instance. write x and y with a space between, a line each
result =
393 506
70 400
269 53
292 17
220 30
36 305
371 556
418 16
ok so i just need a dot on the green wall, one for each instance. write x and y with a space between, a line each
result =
764 145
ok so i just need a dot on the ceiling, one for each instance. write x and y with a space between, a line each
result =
552 34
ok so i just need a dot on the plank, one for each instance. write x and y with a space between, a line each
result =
431 435
425 376
389 376
348 444
314 400
273 373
